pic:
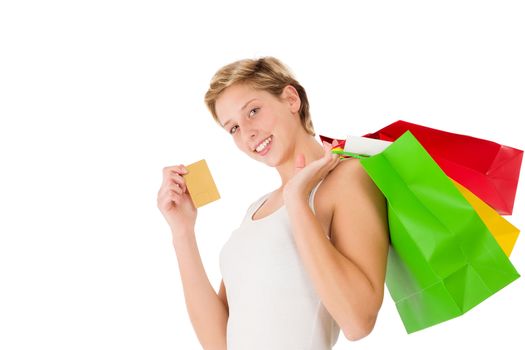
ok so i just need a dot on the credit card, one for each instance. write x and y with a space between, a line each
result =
200 184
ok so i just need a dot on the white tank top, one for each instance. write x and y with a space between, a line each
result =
272 301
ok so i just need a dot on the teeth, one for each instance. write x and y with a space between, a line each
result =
263 144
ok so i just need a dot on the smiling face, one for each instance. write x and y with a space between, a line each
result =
262 125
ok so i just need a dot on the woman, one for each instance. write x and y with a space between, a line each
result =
309 258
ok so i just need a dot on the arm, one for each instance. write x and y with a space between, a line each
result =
208 311
348 274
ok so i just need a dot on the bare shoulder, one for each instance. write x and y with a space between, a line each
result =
349 167
355 200
348 177
336 187
359 227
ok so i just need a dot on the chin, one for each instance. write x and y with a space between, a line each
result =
265 161
272 159
272 162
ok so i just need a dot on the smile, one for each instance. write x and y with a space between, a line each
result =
262 146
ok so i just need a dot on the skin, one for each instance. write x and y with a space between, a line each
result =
347 270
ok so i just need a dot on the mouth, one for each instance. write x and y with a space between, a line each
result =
263 145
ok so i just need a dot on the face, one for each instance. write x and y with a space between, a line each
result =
262 125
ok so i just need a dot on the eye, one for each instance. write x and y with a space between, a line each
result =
253 111
233 129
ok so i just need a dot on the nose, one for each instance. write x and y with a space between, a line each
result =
250 129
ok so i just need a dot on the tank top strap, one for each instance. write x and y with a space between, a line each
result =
311 202
312 195
255 205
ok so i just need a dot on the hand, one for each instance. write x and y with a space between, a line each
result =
174 201
306 177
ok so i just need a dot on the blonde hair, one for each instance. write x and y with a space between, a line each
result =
265 73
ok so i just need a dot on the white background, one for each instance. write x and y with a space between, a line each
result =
96 97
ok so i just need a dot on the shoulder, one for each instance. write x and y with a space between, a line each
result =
343 188
352 197
348 178
359 225
348 167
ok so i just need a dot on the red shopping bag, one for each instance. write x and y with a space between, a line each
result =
486 168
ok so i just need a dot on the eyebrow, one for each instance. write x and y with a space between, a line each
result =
243 107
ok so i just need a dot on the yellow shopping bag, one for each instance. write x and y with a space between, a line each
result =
503 231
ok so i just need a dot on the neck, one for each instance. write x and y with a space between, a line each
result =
305 144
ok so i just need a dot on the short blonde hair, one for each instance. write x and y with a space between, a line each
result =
265 73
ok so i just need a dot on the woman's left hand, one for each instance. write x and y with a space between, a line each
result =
306 177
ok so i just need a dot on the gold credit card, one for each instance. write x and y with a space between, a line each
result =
200 184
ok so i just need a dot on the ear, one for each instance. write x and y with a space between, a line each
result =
291 96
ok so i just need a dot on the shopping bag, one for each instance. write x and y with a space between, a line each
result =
443 260
486 168
356 146
503 231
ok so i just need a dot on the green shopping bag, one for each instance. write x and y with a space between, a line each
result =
443 260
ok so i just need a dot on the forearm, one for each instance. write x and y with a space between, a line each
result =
344 289
207 312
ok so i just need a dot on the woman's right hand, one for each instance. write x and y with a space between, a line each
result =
174 201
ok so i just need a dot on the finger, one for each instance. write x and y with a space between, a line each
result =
168 191
180 169
333 161
328 150
327 146
179 180
165 200
168 171
173 177
299 161
175 197
336 158
176 188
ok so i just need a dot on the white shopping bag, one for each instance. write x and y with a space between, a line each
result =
365 146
